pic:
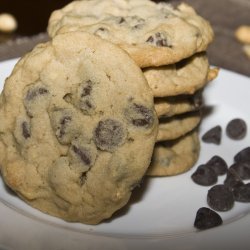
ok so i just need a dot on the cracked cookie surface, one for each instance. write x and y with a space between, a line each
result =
73 123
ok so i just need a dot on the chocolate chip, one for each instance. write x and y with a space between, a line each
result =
109 134
26 130
241 193
220 198
33 93
213 135
63 124
158 39
204 176
83 154
242 169
218 165
86 88
232 179
243 155
139 115
86 102
36 98
207 218
236 129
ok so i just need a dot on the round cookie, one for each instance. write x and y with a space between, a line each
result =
72 127
175 157
184 77
174 105
171 128
152 33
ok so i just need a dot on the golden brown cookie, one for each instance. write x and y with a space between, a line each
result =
72 127
152 33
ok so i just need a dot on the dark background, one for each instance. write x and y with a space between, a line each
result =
225 17
32 15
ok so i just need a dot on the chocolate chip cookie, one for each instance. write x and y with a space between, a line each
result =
152 33
76 132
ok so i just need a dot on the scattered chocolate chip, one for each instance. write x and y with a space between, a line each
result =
109 134
236 129
86 102
241 193
63 124
33 93
158 39
26 130
243 155
204 176
232 179
213 135
218 165
220 198
207 218
86 88
242 169
83 154
139 115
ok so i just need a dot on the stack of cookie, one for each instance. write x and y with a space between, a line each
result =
78 113
178 99
169 44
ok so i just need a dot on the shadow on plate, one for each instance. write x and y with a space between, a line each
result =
137 195
7 189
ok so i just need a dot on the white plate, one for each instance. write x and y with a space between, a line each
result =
161 213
